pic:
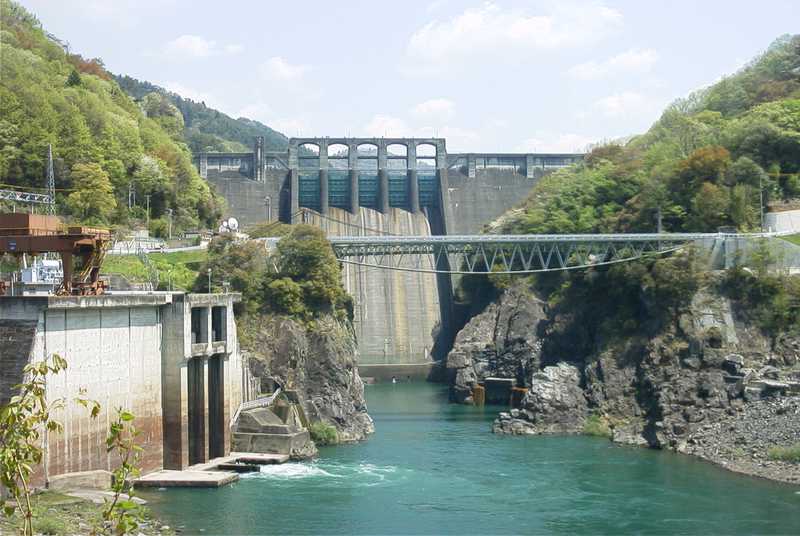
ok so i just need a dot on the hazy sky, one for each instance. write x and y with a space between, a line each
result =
488 76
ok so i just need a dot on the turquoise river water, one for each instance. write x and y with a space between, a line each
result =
436 468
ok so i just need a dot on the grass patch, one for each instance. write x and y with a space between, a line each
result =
180 268
794 239
598 426
58 514
323 434
785 454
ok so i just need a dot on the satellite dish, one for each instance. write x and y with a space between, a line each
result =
233 224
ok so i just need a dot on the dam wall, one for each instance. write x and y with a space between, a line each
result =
478 200
404 186
395 312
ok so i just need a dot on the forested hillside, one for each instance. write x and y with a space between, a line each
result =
103 142
701 166
207 129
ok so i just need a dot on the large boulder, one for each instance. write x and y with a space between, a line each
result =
501 342
554 404
319 362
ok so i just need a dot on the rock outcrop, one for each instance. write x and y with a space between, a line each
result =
318 363
555 403
503 341
707 382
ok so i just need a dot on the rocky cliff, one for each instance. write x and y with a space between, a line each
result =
503 341
318 362
705 382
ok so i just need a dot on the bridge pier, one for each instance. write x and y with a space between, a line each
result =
203 165
323 191
294 192
355 205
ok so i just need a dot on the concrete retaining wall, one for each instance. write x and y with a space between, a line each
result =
125 351
783 221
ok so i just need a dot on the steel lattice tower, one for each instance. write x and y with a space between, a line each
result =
51 181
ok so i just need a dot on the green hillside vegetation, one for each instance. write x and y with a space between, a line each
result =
206 129
176 270
102 140
301 278
700 167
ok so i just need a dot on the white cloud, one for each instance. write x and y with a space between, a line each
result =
634 60
277 68
195 46
624 103
490 30
190 93
435 110
387 126
545 142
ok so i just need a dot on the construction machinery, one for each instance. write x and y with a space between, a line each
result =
82 249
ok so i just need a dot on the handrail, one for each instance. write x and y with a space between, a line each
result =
252 404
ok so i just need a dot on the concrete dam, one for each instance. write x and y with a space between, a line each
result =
382 186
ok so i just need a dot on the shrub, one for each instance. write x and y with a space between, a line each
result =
785 454
597 425
323 434
50 525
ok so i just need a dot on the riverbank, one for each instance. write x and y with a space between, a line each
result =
744 440
433 467
704 378
62 514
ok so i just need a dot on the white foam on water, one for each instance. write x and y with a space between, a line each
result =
291 471
361 474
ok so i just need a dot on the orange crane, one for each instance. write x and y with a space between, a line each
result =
82 249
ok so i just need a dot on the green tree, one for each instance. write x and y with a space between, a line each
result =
710 207
743 212
93 198
746 171
305 259
240 263
74 78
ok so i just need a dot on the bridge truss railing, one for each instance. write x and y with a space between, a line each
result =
25 197
512 253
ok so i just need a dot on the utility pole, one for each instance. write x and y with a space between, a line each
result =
148 211
169 213
208 271
659 221
131 200
268 202
761 200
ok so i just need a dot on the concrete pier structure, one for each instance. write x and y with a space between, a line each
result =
171 359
